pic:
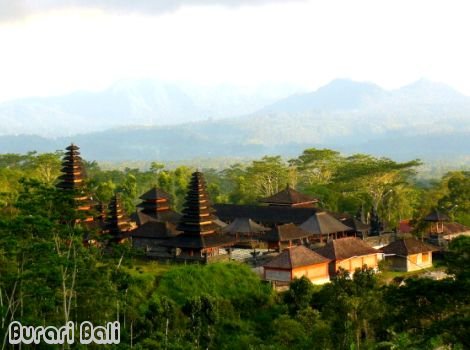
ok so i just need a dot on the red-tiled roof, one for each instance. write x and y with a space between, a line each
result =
405 227
455 227
408 246
345 248
296 257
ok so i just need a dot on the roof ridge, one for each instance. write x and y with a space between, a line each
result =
405 244
289 256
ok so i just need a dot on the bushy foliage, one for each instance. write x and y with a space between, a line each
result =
47 275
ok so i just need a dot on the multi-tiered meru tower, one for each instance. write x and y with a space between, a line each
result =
156 206
200 239
116 223
72 180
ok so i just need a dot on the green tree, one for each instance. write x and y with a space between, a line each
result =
317 166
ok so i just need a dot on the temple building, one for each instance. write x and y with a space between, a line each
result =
436 220
322 226
156 223
268 216
408 254
296 262
155 206
285 236
442 230
72 179
116 224
290 198
244 230
349 254
285 207
358 224
201 239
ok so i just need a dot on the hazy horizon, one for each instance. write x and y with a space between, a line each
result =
277 89
51 48
258 77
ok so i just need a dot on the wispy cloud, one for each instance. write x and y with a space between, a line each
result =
18 9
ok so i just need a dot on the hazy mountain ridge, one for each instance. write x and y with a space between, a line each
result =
131 102
423 119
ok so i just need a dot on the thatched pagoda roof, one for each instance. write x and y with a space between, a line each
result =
267 215
244 225
155 230
213 240
289 197
141 217
72 169
197 216
323 223
154 194
436 216
287 232
116 221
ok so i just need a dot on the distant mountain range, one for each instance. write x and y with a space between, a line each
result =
132 102
424 119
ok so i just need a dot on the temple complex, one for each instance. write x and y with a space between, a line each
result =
285 236
156 223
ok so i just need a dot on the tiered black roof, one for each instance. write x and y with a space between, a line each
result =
154 200
198 222
289 197
436 216
116 220
266 215
286 232
155 230
72 169
322 223
101 212
197 216
244 226
155 205
72 180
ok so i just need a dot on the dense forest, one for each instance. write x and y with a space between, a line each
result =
48 277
